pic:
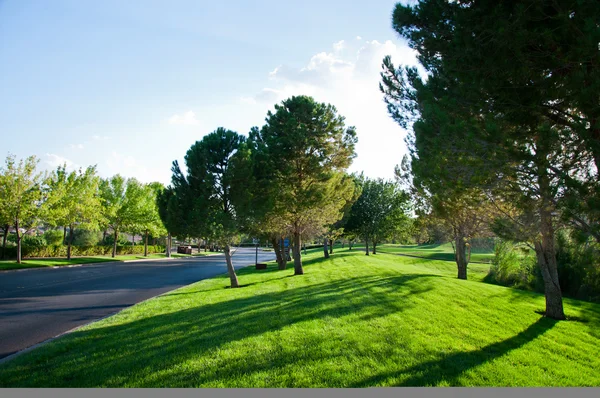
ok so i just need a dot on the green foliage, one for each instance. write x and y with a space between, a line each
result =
205 197
122 240
28 241
380 211
578 268
61 251
514 266
72 198
85 237
54 237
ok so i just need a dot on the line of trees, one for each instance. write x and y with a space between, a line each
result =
506 121
286 179
79 199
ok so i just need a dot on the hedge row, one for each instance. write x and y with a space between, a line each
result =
61 251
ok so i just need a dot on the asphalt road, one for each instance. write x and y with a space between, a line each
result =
39 304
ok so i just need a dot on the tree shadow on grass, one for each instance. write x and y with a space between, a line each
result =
128 353
448 368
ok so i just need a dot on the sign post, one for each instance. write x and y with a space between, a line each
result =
255 241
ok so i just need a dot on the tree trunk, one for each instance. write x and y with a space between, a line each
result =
546 257
64 235
325 251
114 251
104 234
133 240
146 244
349 245
460 255
330 246
19 237
230 269
281 261
168 244
6 227
374 247
298 270
366 247
70 243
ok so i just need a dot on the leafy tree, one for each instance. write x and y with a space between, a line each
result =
5 216
21 195
150 222
208 191
514 80
336 230
121 204
308 149
379 211
54 237
73 200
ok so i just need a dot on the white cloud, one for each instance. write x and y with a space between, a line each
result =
349 78
186 119
339 46
76 146
54 161
358 38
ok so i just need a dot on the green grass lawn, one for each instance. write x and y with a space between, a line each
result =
435 252
350 321
57 262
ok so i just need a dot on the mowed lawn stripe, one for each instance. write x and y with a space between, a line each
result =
350 321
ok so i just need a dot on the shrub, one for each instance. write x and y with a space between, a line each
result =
578 268
61 251
110 239
54 237
84 237
513 266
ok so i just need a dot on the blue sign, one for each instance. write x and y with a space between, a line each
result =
286 242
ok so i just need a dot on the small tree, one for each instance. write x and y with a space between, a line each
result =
308 149
379 211
21 193
207 193
121 206
73 200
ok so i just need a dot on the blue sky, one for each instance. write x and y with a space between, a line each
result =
130 85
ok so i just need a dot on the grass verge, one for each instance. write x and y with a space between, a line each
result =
57 262
350 321
435 252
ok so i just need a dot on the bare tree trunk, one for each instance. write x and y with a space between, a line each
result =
366 247
70 243
325 251
19 237
546 257
232 276
146 244
298 270
460 256
281 261
168 244
64 242
114 251
5 228
330 246
104 234
132 239
374 247
349 245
